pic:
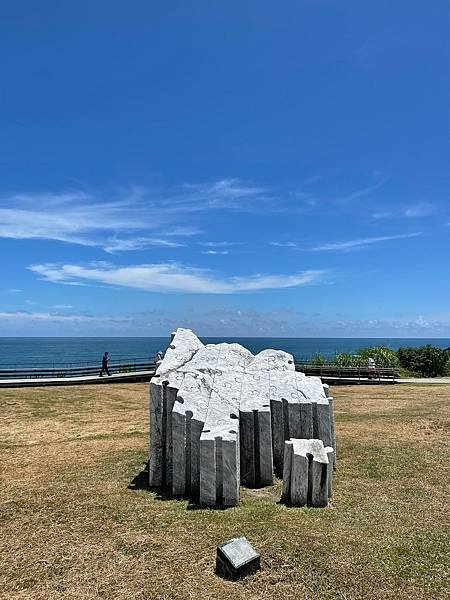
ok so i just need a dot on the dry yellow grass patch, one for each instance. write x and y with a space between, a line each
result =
71 528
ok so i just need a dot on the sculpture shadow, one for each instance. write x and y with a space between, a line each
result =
194 505
140 482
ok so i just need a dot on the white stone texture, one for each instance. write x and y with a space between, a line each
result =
221 429
184 345
307 472
255 426
220 416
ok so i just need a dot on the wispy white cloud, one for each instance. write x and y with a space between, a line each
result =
24 316
216 252
424 209
361 192
382 214
223 321
74 218
411 211
62 306
169 277
284 244
301 201
227 193
124 222
139 218
419 326
221 244
345 246
138 243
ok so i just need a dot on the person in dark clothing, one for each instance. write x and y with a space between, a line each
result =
105 369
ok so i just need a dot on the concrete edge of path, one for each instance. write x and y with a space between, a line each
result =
145 376
424 380
132 377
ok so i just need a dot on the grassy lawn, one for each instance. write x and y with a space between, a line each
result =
71 528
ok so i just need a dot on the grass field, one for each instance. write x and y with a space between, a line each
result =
70 527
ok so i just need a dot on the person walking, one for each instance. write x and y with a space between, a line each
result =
104 368
371 368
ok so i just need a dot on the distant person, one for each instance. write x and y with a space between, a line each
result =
104 368
371 367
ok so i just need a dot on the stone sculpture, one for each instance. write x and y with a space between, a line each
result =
219 417
307 473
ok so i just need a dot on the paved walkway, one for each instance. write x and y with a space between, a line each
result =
422 380
146 375
86 379
356 380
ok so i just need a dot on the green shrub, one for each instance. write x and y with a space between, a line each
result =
384 357
426 360
344 359
447 366
318 359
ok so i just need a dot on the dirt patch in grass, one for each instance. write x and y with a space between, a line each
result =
71 528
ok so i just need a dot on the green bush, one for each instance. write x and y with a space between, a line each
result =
384 357
447 367
426 360
344 359
318 359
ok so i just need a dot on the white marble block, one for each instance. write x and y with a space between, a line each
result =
307 473
220 416
255 425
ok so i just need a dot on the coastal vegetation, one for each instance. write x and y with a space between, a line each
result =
423 361
427 361
77 521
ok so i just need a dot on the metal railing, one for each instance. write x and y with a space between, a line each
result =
334 370
61 370
86 368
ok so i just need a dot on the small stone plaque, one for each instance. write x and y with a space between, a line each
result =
237 559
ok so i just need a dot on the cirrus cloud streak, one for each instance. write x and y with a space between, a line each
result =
23 316
134 219
170 277
348 245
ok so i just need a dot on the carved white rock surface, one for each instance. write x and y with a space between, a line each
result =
307 472
220 416
179 352
255 425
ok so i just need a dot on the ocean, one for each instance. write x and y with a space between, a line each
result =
72 351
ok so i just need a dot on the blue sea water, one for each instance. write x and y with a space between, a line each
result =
36 352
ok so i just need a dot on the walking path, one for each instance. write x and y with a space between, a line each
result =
367 381
422 380
133 376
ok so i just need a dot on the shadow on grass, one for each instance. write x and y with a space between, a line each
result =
140 482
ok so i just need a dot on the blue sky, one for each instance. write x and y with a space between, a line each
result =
242 168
